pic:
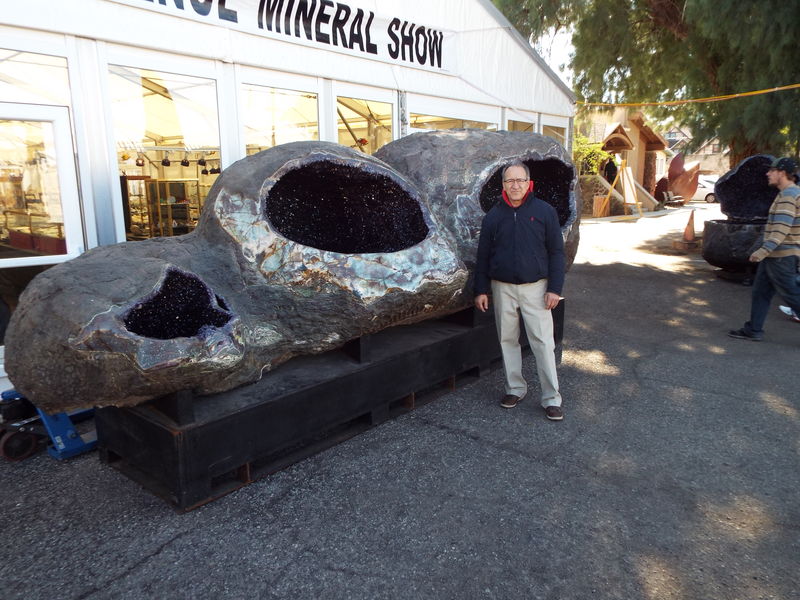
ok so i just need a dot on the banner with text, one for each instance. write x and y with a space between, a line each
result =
338 26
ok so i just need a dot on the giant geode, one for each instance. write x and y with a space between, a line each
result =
744 194
745 197
299 249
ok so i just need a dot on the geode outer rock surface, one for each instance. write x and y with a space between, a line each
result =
745 197
460 171
299 249
744 193
729 244
69 342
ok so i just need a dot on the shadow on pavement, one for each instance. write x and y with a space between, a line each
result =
692 436
673 476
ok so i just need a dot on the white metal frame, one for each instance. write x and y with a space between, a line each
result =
362 92
456 109
58 116
63 46
223 75
522 116
556 121
278 80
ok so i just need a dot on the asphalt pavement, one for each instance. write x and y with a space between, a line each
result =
673 476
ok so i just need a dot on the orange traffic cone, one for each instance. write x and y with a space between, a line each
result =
688 233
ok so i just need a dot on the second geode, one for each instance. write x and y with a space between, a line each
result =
460 171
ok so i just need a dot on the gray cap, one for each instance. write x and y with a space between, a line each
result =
789 165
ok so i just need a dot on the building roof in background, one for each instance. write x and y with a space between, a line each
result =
653 140
616 139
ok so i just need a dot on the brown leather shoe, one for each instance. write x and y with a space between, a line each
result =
510 401
554 413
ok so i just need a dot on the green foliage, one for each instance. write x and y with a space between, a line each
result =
658 50
587 156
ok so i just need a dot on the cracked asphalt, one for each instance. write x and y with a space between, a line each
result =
673 476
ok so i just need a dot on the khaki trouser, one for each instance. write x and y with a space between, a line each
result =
528 299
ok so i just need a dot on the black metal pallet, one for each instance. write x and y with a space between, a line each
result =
190 450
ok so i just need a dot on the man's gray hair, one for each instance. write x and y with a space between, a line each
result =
516 163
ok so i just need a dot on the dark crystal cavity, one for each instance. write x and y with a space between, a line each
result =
551 179
181 307
744 193
341 208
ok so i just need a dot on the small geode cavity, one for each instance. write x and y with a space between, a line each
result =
182 306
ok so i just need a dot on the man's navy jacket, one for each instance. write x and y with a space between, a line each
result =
520 245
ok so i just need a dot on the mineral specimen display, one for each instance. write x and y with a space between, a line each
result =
299 249
745 197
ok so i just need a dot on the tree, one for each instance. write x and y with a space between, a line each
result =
658 50
587 156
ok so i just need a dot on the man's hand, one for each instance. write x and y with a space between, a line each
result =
482 302
758 255
551 300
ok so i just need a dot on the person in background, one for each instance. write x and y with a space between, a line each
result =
778 257
610 170
521 259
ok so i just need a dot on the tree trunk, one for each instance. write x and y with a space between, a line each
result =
741 149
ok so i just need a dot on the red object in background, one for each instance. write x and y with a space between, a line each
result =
683 177
38 243
675 167
20 239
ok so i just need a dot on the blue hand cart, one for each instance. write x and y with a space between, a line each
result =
23 427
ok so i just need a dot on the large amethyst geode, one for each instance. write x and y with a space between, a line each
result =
299 249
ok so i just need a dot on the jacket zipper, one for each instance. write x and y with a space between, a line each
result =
516 275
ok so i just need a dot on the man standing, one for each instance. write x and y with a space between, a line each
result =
779 253
521 256
610 170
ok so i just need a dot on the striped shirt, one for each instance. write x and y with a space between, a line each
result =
782 231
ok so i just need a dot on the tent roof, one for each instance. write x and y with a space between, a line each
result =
500 18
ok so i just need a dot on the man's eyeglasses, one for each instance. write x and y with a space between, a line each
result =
515 181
